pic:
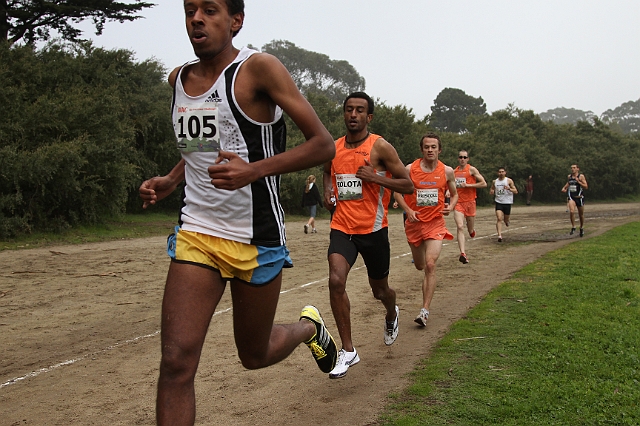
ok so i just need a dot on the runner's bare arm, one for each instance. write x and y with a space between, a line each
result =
411 214
264 75
400 198
583 182
172 76
493 188
157 188
385 157
512 186
401 202
328 186
453 192
480 182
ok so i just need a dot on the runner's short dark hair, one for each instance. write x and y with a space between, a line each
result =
360 95
234 7
431 135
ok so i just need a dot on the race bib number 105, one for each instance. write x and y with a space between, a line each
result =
196 129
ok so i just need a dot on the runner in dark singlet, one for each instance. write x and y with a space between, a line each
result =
576 184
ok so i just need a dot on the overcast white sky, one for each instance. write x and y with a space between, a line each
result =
541 54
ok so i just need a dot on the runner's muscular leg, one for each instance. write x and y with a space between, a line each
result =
340 305
572 209
500 218
190 297
419 256
459 219
433 249
471 223
382 292
260 342
581 215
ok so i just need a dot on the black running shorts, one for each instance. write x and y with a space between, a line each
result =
504 208
578 200
374 249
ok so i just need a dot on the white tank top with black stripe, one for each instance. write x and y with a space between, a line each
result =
206 123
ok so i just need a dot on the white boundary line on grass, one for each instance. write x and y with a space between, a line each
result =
40 371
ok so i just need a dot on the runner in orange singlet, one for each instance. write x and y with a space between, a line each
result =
468 178
426 207
361 174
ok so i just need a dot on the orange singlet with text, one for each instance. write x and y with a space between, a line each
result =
361 207
465 195
428 197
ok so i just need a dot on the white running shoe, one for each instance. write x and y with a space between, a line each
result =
306 229
391 329
345 360
422 317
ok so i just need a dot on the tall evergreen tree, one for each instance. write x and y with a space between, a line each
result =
32 20
315 72
452 107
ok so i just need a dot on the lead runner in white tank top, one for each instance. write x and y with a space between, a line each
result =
212 121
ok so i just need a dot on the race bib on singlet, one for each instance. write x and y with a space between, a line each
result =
196 128
460 181
349 187
573 188
427 197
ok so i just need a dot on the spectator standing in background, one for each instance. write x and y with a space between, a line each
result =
310 200
529 188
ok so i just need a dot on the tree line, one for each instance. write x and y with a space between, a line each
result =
520 141
625 118
81 127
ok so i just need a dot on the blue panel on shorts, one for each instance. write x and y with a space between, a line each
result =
271 261
171 242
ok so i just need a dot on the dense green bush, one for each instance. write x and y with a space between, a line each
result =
81 127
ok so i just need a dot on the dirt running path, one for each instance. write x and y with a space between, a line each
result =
79 340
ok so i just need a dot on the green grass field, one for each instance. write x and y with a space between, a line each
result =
559 344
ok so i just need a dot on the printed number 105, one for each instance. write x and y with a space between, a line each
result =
194 127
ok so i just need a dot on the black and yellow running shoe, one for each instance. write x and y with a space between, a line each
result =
323 347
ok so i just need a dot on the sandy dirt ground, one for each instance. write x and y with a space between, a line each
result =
79 326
